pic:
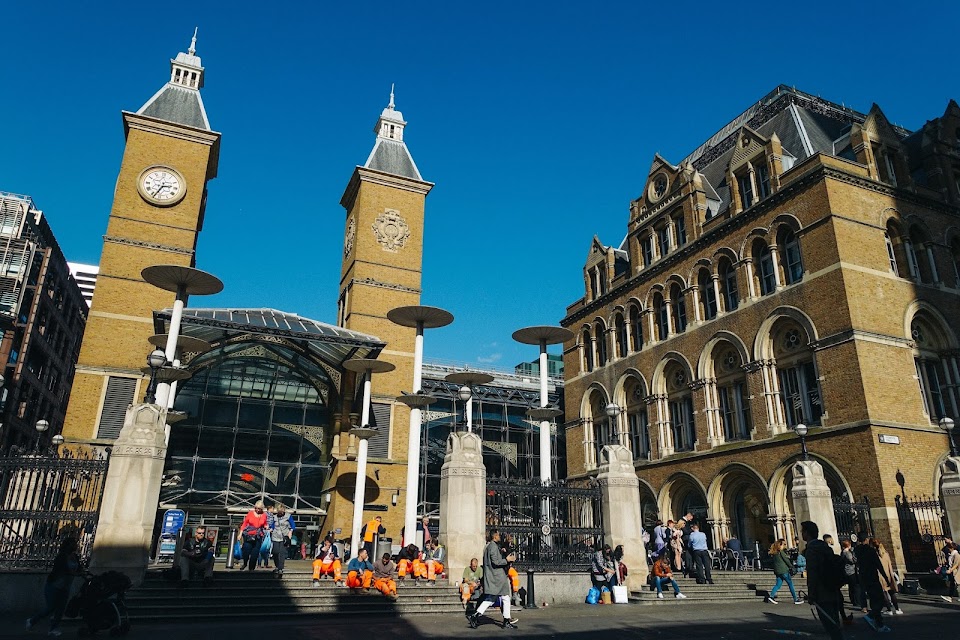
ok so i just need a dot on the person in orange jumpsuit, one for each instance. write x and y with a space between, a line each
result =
327 563
369 533
360 572
408 562
472 576
384 577
432 565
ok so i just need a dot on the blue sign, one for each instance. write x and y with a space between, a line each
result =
173 520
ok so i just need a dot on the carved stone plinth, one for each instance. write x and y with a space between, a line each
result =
812 499
463 495
131 494
622 523
950 489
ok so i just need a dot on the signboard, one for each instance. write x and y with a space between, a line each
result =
888 439
173 520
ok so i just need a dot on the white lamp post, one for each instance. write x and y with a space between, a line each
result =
946 423
801 430
421 318
613 410
468 380
363 432
543 336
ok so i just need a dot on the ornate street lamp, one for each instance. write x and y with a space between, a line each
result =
155 360
613 410
802 430
946 423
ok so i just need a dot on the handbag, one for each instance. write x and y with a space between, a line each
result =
620 594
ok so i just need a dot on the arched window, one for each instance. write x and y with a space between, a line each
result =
789 248
638 421
797 375
938 398
587 350
661 314
729 291
646 249
679 309
732 393
680 408
620 328
636 328
919 263
955 259
766 276
895 249
601 332
708 296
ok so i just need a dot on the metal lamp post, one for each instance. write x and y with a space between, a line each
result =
543 336
421 318
468 380
155 360
41 426
613 410
801 430
363 432
946 423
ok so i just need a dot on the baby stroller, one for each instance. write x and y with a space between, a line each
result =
99 603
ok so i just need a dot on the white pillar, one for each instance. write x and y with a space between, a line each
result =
360 489
413 446
546 458
163 389
468 410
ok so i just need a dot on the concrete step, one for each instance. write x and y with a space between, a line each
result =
373 606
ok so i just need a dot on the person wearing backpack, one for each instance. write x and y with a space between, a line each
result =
825 576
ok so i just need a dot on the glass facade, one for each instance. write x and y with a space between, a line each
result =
511 440
257 428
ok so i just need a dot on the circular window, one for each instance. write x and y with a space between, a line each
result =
916 331
791 340
730 360
658 188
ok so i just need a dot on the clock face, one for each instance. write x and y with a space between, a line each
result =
162 186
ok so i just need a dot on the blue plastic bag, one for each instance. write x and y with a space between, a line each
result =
593 596
267 545
238 551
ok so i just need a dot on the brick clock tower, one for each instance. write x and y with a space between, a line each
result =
170 154
382 263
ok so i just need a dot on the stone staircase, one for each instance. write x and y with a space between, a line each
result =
728 586
235 595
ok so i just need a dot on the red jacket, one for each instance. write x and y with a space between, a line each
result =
253 521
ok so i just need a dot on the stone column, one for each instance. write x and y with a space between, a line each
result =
131 494
622 523
812 499
950 488
463 495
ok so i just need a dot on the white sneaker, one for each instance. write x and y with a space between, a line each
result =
680 596
947 598
899 612
659 597
798 602
772 600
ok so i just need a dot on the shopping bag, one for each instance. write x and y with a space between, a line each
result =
593 596
238 551
605 596
620 594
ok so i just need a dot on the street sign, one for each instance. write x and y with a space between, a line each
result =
173 520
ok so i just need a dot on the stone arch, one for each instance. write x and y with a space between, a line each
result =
739 500
657 381
763 345
920 308
699 265
649 508
675 278
705 364
725 252
678 493
781 500
887 214
758 233
786 219
651 294
619 390
592 417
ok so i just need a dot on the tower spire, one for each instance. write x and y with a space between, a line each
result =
193 42
391 105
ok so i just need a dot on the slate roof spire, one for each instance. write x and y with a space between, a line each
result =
390 153
179 100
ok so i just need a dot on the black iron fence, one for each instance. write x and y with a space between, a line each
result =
552 527
923 527
46 497
854 520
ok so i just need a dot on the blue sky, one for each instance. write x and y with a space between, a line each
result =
536 120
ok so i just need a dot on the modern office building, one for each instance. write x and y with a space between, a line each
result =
86 277
42 318
799 267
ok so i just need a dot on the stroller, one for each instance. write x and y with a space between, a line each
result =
99 603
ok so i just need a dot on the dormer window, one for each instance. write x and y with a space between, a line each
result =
763 181
746 190
663 240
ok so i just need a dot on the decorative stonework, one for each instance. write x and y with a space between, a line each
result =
349 236
147 245
385 285
506 449
391 230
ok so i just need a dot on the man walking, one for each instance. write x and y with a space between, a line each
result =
496 586
823 590
871 568
698 547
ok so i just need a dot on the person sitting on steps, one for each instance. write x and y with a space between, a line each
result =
662 573
360 573
384 577
195 556
471 581
327 563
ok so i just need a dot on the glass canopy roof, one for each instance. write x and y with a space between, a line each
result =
327 343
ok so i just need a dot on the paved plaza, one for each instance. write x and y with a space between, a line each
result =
924 618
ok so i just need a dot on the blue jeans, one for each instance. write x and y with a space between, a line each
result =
658 582
56 602
780 580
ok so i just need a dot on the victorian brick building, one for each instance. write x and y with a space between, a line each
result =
799 267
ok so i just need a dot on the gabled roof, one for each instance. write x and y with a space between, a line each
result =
391 156
179 105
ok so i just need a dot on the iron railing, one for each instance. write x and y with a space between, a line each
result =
854 520
551 527
923 528
46 497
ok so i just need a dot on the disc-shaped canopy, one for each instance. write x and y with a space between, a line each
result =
171 277
416 400
536 335
412 316
544 413
185 344
363 365
469 378
168 374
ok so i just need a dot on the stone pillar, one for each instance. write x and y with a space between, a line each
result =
463 496
131 493
812 499
950 489
622 523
